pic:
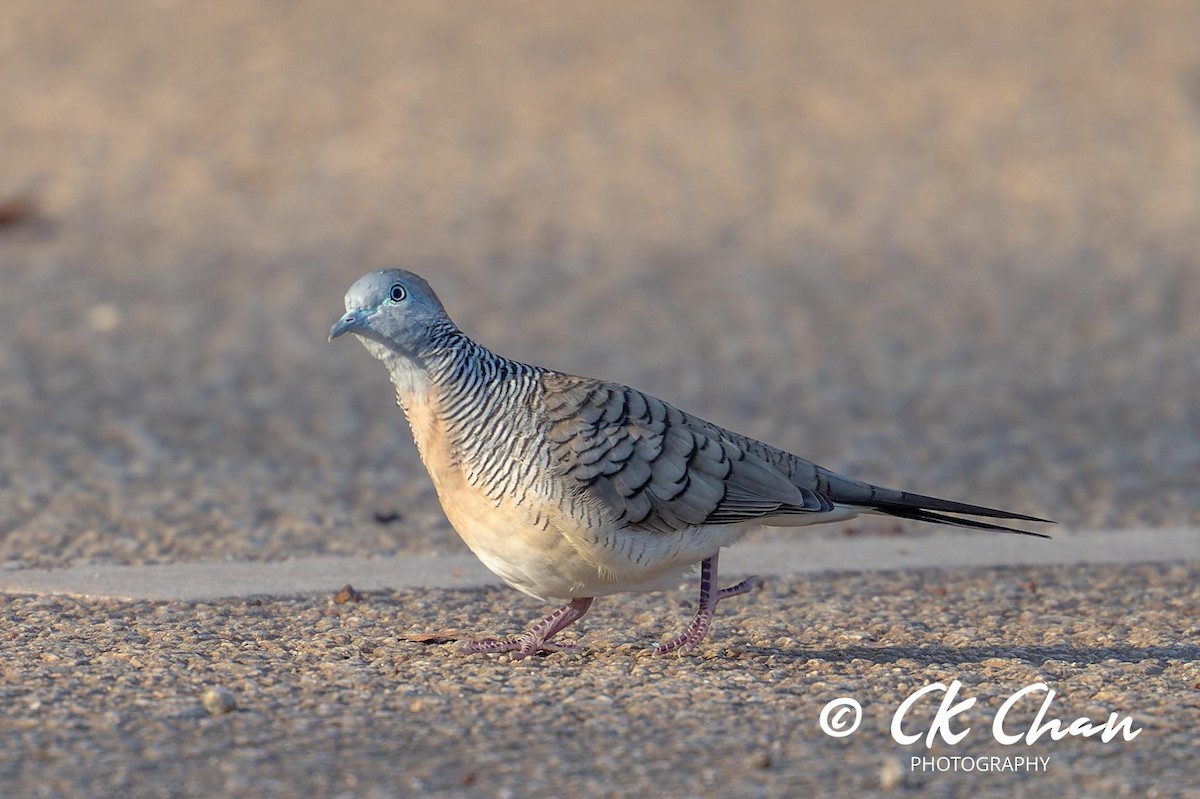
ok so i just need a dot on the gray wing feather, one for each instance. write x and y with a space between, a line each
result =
659 469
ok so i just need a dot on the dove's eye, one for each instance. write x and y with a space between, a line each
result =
397 293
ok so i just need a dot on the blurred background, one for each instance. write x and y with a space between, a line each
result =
948 247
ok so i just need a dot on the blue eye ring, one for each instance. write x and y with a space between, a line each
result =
397 293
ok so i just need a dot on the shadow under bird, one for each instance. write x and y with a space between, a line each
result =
571 488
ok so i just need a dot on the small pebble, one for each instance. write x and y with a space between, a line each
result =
759 759
218 700
891 774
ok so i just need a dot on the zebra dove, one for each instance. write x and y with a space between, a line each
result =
569 487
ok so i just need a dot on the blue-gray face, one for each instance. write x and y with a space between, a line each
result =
386 306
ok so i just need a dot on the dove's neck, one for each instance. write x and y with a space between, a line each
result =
446 369
455 392
444 365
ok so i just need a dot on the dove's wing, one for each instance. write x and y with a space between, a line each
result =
656 468
659 469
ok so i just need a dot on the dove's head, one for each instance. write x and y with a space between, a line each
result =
392 307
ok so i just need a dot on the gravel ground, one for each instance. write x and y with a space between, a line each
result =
952 249
105 698
948 247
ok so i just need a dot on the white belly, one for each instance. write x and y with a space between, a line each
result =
549 552
562 558
613 562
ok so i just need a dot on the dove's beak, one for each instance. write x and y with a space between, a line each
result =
350 322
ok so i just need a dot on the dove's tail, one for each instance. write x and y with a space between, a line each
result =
931 509
906 505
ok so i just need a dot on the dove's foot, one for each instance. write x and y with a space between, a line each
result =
709 598
536 638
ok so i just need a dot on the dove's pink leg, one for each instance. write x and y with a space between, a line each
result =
536 638
709 598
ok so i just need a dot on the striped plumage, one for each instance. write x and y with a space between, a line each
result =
570 487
